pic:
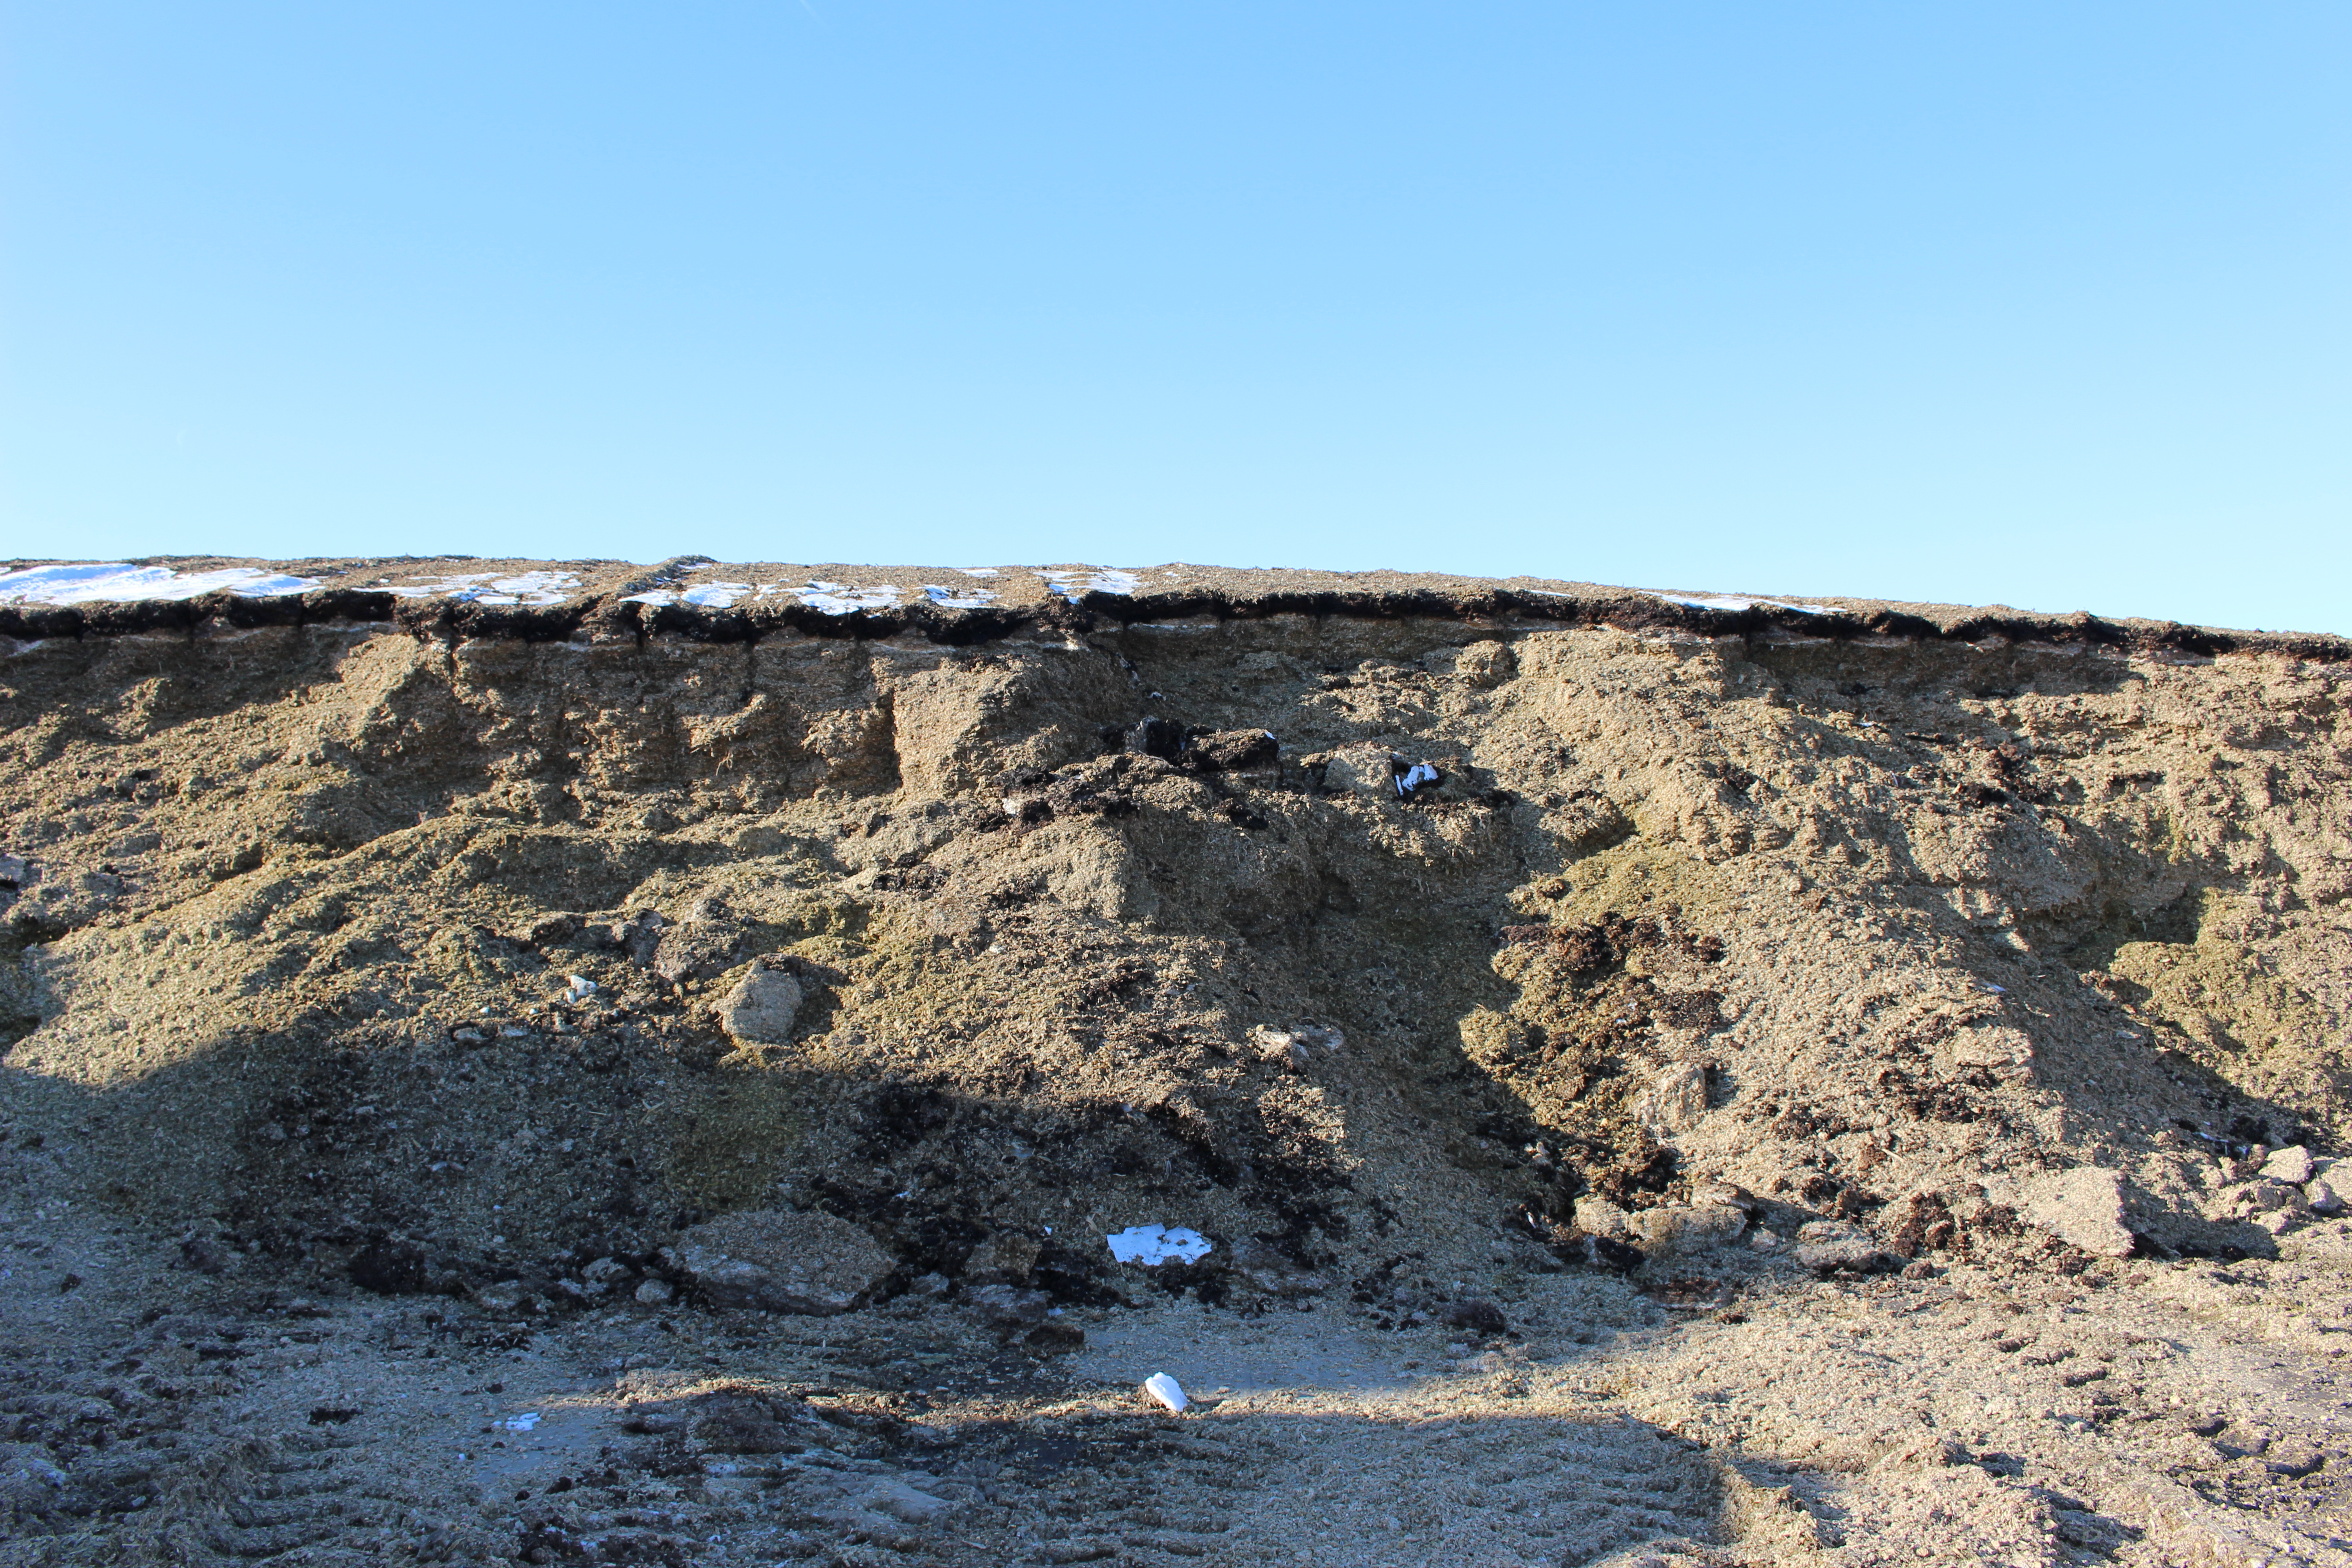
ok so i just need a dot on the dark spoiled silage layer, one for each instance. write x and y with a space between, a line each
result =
600 612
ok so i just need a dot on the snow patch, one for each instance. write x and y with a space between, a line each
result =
118 581
1733 602
1075 582
489 588
833 598
960 598
841 599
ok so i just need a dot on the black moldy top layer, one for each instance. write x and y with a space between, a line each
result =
607 600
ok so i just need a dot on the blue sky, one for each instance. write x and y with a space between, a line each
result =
2038 304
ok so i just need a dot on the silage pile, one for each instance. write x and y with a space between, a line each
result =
438 961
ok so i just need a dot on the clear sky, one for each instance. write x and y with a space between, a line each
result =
2043 304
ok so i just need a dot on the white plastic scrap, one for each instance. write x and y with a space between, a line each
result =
1732 602
117 581
1168 1391
1152 1244
522 1423
1075 582
1413 777
580 987
959 598
489 588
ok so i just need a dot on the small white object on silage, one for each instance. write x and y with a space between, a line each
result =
1415 777
118 581
1168 1391
960 598
1077 582
1152 1244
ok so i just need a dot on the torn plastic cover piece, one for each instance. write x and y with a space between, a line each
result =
1152 1244
1168 1391
1413 777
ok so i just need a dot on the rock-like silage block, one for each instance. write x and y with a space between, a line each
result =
784 1262
761 1008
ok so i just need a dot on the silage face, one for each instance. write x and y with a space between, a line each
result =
300 911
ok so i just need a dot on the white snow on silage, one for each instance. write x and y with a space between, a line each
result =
118 581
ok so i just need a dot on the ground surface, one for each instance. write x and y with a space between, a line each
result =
1721 1081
